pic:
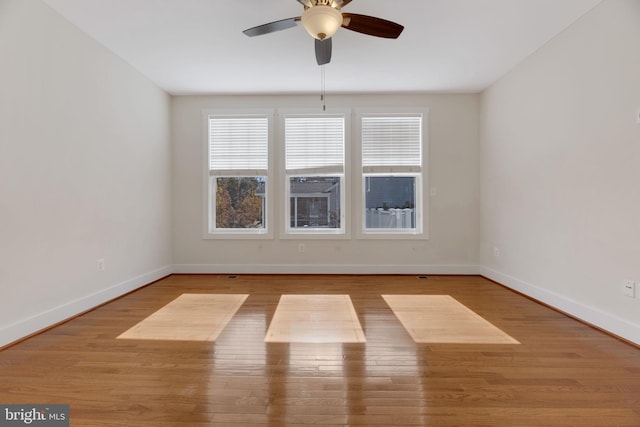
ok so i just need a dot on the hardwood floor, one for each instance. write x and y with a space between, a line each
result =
562 373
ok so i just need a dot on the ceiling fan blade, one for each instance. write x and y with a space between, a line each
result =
371 26
323 51
271 27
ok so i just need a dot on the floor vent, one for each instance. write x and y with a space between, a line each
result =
423 277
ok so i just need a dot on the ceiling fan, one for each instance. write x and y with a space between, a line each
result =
322 18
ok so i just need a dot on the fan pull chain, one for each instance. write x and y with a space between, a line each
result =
322 88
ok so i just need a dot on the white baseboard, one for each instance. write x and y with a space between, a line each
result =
591 315
40 321
323 269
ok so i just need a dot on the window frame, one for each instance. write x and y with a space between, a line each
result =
209 185
286 231
421 231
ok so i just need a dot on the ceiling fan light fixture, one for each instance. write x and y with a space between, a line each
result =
321 22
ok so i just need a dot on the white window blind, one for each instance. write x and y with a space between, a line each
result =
314 144
238 145
392 142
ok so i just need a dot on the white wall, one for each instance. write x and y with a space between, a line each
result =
453 213
84 172
560 171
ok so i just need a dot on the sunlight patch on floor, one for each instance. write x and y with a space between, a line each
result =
442 319
190 317
315 319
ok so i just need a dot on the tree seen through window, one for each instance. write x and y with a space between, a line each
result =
240 202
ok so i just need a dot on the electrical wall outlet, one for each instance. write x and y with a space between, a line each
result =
629 288
301 247
100 264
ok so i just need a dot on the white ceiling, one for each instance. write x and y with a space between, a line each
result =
197 46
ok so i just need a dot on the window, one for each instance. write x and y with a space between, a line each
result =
314 160
238 165
314 164
392 158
